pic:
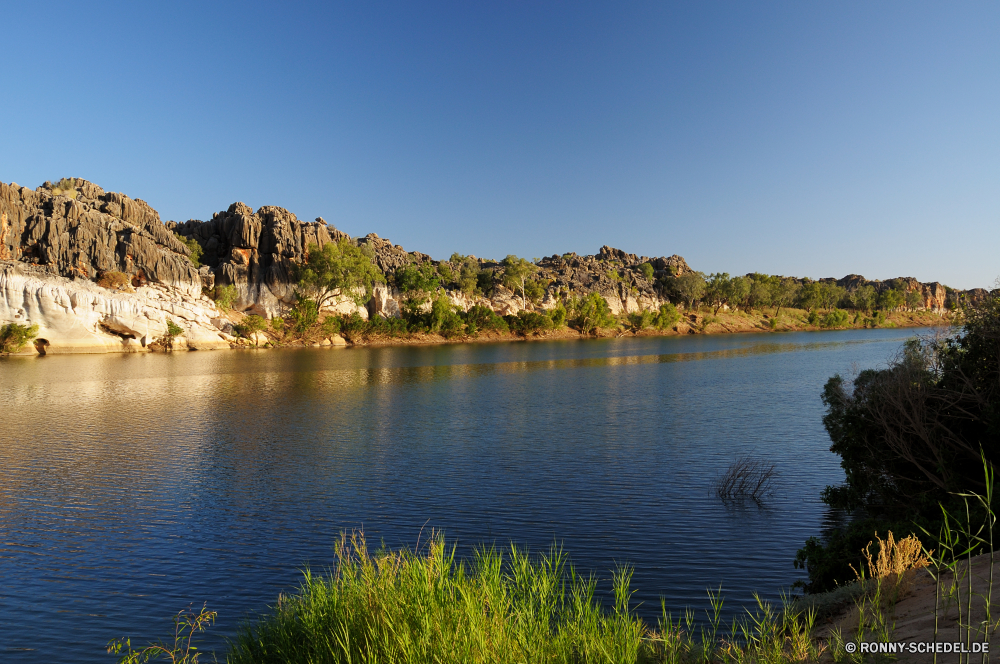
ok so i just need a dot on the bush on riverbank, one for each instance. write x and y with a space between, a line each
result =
404 607
912 437
14 337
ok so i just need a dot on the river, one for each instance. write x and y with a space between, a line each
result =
134 485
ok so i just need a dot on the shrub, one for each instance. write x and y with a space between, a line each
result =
640 320
558 315
224 296
836 318
747 477
330 325
667 316
304 314
173 330
65 187
813 318
443 318
250 326
387 326
278 325
593 313
480 318
646 270
114 280
193 247
353 326
13 337
526 322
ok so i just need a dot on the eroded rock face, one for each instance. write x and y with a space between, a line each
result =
256 251
90 232
77 316
934 295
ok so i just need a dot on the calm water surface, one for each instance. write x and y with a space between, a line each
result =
132 486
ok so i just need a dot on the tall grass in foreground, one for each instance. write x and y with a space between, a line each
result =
401 606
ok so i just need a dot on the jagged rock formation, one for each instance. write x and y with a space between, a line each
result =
86 231
255 251
57 239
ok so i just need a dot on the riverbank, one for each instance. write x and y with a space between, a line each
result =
700 321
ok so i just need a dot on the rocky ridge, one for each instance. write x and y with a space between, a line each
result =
56 240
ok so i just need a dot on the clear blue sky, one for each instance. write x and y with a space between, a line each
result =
800 138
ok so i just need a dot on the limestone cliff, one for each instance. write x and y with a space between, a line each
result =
58 239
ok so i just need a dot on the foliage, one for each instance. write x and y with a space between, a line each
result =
688 288
666 317
466 273
863 298
278 325
173 330
914 300
890 300
912 435
353 326
647 271
558 315
339 268
330 325
784 293
501 607
480 318
304 314
593 313
182 651
249 326
836 318
14 337
225 296
416 283
640 320
115 280
65 187
193 246
516 272
534 289
443 318
526 322
820 295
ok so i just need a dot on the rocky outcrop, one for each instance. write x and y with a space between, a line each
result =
935 296
84 232
77 316
256 251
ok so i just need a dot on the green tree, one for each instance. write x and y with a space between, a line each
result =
914 300
690 288
339 268
739 292
890 300
14 337
718 289
417 283
593 313
646 270
762 288
516 272
785 293
863 298
666 317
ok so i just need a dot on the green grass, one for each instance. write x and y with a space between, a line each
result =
401 606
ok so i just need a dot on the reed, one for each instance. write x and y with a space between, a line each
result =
402 606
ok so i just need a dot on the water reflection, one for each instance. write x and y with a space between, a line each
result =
131 486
